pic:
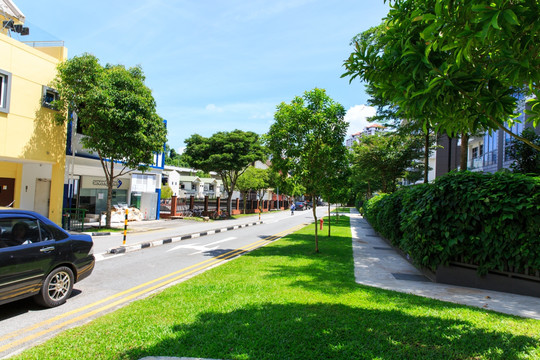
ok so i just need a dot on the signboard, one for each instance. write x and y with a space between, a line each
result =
92 182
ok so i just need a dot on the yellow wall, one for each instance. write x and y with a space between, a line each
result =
27 132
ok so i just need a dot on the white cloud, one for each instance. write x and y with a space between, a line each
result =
213 108
357 117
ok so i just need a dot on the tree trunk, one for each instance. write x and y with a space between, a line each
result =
426 157
229 203
109 195
329 219
449 154
316 229
463 156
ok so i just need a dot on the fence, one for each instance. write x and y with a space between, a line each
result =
191 207
73 219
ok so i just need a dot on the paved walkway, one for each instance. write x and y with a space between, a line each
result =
377 264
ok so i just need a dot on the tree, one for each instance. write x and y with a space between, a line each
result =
253 179
466 62
227 153
527 159
173 158
336 187
306 141
117 112
166 192
387 157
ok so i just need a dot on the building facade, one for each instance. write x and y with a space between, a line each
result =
85 185
32 147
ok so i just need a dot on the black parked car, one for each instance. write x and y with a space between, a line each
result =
38 258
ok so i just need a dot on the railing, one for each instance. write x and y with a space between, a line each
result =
73 219
57 43
476 163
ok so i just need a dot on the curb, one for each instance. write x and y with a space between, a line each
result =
139 246
101 233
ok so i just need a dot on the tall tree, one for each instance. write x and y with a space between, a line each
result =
386 157
306 139
117 112
227 153
467 62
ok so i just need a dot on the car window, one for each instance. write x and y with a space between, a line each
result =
18 231
50 232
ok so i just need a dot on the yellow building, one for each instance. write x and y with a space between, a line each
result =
32 147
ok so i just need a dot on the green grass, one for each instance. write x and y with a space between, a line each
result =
342 210
285 301
104 229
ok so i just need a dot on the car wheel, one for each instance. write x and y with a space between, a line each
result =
56 288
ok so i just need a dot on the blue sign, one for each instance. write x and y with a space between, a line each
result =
119 183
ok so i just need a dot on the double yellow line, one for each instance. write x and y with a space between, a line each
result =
134 293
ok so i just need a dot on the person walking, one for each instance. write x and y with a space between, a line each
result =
292 208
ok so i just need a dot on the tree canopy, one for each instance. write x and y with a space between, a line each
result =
227 153
253 179
117 112
383 158
306 141
466 62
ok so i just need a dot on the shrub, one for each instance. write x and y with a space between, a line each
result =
489 220
388 217
371 209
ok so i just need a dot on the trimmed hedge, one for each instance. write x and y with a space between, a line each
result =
488 220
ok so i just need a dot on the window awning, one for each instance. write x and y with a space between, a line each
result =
9 8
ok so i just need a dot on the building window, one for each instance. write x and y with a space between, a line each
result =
5 90
475 152
49 96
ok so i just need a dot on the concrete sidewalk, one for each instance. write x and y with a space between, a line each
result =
377 264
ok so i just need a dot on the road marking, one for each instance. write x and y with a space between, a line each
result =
101 257
172 277
199 247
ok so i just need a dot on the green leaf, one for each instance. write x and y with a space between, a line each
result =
495 21
510 17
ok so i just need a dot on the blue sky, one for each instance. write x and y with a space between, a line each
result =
218 65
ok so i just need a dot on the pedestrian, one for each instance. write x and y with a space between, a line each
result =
292 208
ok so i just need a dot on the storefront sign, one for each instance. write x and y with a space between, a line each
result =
91 182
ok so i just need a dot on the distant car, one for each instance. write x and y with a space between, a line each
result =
38 258
299 206
308 204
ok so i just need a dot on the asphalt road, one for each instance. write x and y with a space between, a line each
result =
120 279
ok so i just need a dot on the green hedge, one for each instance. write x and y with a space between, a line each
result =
489 220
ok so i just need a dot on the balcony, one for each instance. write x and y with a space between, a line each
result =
476 164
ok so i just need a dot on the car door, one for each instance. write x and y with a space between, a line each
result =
23 265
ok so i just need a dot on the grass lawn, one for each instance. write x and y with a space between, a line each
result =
342 210
104 229
284 301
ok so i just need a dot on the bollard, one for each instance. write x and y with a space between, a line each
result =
321 222
125 227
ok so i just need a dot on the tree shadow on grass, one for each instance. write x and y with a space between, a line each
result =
326 331
331 272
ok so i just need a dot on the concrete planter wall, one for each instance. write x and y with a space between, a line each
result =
466 275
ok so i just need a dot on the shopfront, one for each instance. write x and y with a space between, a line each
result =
93 193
